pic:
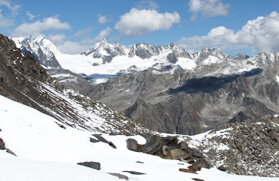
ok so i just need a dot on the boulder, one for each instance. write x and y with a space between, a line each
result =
177 154
133 145
195 167
153 144
222 168
91 164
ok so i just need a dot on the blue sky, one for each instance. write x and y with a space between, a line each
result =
235 26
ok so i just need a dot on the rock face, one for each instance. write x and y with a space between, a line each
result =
170 148
23 79
188 102
244 148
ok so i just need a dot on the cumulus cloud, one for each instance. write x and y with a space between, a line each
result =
47 24
140 22
261 34
207 8
57 39
83 32
102 19
31 16
78 47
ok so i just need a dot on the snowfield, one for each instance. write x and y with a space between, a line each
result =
45 151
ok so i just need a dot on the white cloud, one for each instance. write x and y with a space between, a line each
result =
207 8
140 22
78 47
10 5
102 19
83 32
5 22
48 24
147 4
261 34
57 39
31 16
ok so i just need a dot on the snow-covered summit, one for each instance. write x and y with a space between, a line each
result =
105 60
42 49
105 51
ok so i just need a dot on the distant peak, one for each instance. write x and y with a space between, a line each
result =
208 49
104 41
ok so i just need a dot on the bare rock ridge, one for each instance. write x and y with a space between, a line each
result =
244 148
181 103
24 80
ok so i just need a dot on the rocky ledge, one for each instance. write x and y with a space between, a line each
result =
244 148
171 148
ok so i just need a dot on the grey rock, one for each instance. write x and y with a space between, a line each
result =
153 144
120 176
91 164
92 140
2 144
100 138
133 145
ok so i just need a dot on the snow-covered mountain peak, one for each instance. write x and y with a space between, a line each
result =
104 50
42 49
36 42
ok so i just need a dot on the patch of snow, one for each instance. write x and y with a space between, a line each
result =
186 63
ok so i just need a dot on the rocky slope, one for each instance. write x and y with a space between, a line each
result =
243 148
24 80
190 103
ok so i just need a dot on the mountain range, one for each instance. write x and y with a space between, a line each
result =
59 130
166 88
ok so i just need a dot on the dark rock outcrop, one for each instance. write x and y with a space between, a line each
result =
99 138
2 144
94 165
170 148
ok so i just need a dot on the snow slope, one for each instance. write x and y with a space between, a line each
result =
45 151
